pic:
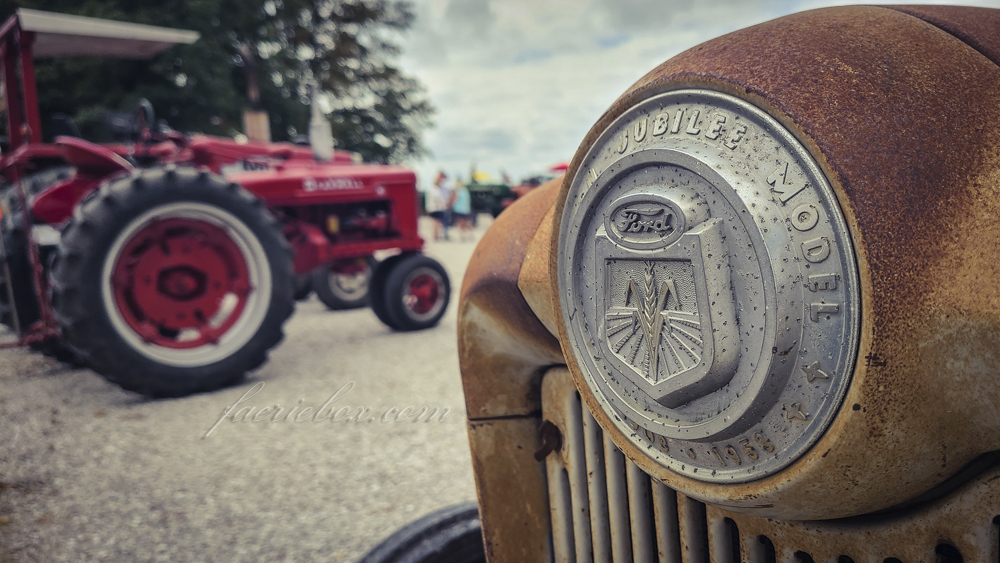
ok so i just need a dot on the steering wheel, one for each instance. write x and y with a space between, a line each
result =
143 119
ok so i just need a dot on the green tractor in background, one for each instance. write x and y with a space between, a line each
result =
493 197
488 196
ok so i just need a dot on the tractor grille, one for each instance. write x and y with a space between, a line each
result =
604 508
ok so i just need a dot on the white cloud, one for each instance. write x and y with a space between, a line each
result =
518 83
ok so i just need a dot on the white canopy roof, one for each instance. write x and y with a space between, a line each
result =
60 35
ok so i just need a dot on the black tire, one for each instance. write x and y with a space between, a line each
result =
15 251
376 290
416 293
451 535
60 350
36 183
20 282
339 291
202 243
19 265
6 309
303 287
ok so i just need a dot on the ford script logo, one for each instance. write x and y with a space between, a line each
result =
645 222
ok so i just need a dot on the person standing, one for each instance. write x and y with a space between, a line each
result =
462 211
439 202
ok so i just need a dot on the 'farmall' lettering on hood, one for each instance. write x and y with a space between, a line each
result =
331 184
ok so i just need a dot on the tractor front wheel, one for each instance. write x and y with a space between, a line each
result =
410 292
173 282
302 285
344 291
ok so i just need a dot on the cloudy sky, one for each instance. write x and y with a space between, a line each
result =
518 83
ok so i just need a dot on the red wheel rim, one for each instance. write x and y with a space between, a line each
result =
422 294
180 283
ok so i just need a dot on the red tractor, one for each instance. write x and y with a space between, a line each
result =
169 264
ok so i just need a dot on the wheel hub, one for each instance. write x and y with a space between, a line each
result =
180 283
422 294
351 280
183 283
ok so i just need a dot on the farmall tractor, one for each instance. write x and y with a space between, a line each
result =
168 265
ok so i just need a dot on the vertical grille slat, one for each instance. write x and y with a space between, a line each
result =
561 512
600 529
577 468
761 550
621 536
722 535
693 529
639 503
668 541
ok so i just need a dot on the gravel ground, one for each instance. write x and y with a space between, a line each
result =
89 472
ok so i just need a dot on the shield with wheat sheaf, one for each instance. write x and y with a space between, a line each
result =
666 316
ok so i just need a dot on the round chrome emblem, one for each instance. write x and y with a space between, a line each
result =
708 286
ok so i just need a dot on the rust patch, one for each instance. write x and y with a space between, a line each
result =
510 483
975 26
499 256
964 522
533 281
502 345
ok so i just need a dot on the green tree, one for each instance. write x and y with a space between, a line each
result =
346 46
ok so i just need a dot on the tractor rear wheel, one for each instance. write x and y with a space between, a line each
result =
411 292
171 282
344 291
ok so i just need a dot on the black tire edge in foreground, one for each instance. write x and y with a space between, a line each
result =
77 280
450 535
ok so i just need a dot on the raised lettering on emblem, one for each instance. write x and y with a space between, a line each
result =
640 223
636 220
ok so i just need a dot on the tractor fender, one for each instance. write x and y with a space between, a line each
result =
90 159
94 165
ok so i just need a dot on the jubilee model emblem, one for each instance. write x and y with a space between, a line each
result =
708 287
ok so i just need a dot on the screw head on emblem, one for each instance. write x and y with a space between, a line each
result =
708 286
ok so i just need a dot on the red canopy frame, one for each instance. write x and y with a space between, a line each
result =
32 33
